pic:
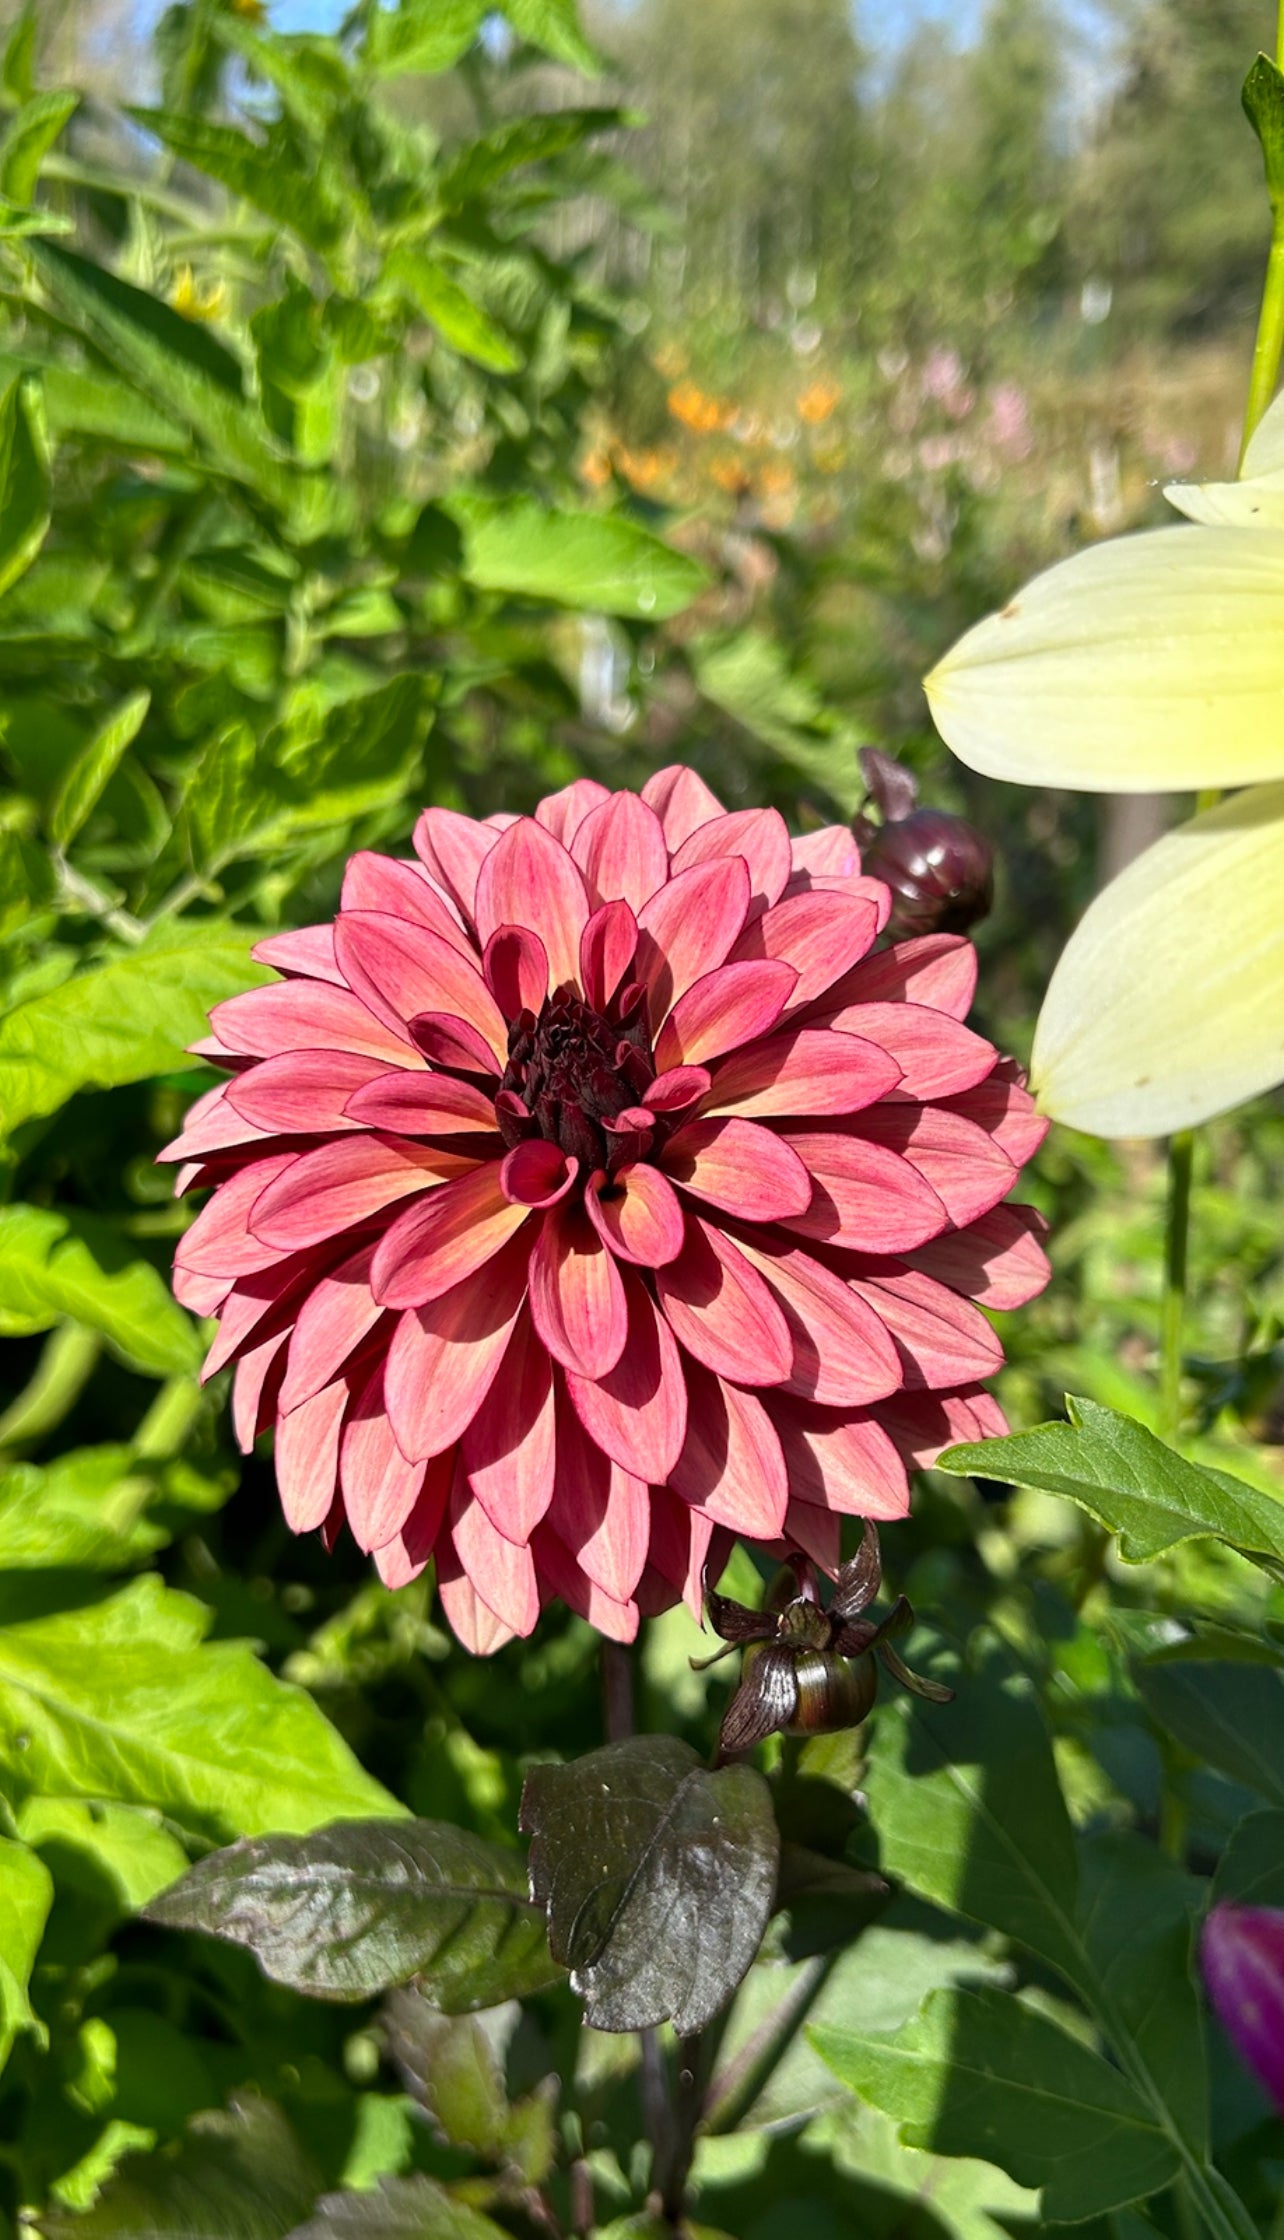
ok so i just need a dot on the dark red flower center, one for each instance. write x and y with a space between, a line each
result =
573 1071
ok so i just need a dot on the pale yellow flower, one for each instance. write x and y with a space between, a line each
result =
1154 663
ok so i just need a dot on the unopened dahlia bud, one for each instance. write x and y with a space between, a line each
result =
1243 1958
939 868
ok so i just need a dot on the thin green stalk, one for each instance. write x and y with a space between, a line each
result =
66 1363
1270 335
1181 1149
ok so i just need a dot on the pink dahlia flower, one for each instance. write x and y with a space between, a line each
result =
593 1190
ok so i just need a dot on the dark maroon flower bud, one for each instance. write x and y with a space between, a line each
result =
939 867
1243 1958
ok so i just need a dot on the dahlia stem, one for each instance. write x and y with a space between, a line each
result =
1181 1148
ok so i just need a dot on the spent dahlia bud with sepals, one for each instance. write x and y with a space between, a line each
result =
939 867
593 1190
1243 1958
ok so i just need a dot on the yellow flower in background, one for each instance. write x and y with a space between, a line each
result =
1154 663
192 299
817 402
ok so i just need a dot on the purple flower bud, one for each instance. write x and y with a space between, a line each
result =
940 870
1243 1959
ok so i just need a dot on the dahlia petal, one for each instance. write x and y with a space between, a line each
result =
678 1089
509 1449
732 1005
270 1296
219 1242
722 1311
820 934
637 1214
997 1260
420 1104
739 1167
341 1183
937 970
637 1411
964 1166
576 1293
937 1056
620 848
452 849
475 1627
600 1511
865 1198
607 947
380 1488
255 1387
831 852
305 1015
215 1053
306 1092
537 1174
453 1044
213 1123
816 1533
561 1579
388 888
307 951
840 1461
688 927
923 1424
681 800
563 813
528 879
731 1468
942 1340
810 1071
446 1237
202 1295
1004 1107
409 1551
503 1574
515 968
401 970
759 835
445 1355
307 1456
681 1542
843 1356
339 1311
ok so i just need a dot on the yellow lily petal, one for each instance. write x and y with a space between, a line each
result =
1266 446
1167 1004
1257 499
1152 663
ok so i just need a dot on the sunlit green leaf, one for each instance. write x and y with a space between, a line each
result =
461 322
55 1265
27 139
598 561
83 781
554 25
125 1700
24 479
26 1893
427 35
239 2175
979 2074
296 192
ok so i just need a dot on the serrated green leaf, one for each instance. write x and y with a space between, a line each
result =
239 2175
976 2073
121 1020
290 185
55 1266
970 1813
520 141
1228 1714
83 781
83 402
426 35
594 560
554 25
118 1844
125 1700
27 139
414 2208
17 71
178 365
425 283
84 1510
363 1905
24 479
1130 1482
26 1894
658 1876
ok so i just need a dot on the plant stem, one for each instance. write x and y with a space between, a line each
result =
67 1360
1173 1308
617 1691
1270 320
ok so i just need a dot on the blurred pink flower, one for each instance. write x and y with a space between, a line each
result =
592 1190
1243 1959
1009 421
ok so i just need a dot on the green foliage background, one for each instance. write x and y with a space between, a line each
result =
330 379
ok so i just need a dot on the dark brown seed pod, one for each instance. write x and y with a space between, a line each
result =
939 867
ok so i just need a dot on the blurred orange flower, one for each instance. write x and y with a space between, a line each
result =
703 414
817 402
